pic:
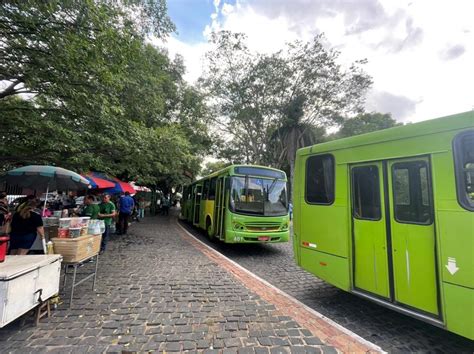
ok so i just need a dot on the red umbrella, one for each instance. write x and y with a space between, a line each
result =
117 186
99 183
124 186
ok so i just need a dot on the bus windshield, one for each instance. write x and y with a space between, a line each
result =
258 196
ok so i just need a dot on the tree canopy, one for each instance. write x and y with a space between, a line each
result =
366 123
266 106
81 88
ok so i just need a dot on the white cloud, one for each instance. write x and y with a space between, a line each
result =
192 54
420 53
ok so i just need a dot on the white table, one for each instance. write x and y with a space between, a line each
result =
23 280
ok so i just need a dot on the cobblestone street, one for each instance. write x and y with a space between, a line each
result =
388 329
156 292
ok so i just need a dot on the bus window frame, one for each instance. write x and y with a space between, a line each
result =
461 192
205 189
427 166
379 194
213 181
333 161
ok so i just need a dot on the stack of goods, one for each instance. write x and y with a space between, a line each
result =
73 227
96 227
64 224
84 225
77 238
51 226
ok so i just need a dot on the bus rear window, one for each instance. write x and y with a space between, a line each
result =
320 179
464 167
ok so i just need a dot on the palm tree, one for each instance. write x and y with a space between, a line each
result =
293 134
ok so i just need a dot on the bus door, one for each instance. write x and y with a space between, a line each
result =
197 204
394 255
370 246
413 234
219 209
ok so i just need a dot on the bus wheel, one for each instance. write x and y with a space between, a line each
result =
209 230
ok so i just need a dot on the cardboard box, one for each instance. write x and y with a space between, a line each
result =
77 249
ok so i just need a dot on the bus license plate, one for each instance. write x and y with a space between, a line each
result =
263 238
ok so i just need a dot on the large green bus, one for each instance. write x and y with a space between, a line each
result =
239 204
389 216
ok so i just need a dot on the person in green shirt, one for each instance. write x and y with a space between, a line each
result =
91 210
106 213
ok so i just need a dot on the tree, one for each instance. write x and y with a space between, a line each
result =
366 123
293 134
214 166
82 89
232 83
252 93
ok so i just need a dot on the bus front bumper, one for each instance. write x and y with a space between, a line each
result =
233 236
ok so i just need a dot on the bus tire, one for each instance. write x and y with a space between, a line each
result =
209 229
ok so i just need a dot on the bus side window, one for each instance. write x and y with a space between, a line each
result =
411 193
464 167
366 193
320 180
212 189
205 190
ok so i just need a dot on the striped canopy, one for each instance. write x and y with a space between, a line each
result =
41 177
99 183
119 186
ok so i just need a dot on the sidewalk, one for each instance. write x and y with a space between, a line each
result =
160 290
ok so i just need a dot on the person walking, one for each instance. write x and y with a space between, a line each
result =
126 205
106 213
166 203
25 226
141 208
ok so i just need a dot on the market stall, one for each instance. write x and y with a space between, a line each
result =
29 280
26 282
45 178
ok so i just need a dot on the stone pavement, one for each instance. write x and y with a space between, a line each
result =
158 292
392 331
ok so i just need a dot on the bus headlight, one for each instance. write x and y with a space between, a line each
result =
284 226
238 226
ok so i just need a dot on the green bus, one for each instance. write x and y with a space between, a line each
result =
389 216
239 204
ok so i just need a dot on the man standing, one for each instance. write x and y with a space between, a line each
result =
92 210
126 205
106 213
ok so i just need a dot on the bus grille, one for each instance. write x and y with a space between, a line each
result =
262 226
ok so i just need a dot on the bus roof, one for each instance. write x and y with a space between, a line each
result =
453 122
234 170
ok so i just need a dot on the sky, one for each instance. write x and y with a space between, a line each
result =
420 52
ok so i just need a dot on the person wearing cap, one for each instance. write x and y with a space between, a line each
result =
106 213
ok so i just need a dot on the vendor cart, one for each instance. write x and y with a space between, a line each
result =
25 282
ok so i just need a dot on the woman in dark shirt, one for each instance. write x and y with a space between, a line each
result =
25 225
